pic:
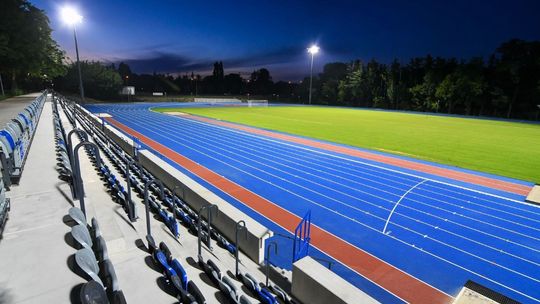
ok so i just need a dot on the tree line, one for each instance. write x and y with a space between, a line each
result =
507 84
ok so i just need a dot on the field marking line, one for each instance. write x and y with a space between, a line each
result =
429 205
340 202
399 201
362 162
492 182
371 194
427 190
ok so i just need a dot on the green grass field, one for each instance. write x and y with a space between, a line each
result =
504 148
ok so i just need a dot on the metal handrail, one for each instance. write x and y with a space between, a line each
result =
240 225
80 188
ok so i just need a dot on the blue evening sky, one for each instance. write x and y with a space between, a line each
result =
183 36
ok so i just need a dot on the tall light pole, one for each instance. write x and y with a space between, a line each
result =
314 49
72 18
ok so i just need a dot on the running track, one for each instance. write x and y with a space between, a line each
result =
442 226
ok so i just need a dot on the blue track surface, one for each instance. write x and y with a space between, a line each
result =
443 232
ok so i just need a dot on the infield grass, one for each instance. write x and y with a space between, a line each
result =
504 148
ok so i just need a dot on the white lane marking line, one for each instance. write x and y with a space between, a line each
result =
399 201
427 190
384 200
361 162
513 186
333 211
454 213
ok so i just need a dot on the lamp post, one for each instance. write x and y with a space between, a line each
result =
72 18
314 49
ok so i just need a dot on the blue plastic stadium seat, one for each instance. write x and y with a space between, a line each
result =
181 272
266 296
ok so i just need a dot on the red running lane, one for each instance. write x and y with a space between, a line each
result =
389 277
443 172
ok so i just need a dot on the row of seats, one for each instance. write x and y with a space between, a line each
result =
63 164
93 259
186 290
172 268
92 255
15 139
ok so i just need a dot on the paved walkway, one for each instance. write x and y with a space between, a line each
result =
10 107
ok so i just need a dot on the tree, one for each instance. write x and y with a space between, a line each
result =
218 77
463 86
261 82
26 46
233 84
125 72
100 81
517 71
329 80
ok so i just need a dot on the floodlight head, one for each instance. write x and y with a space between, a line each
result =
314 49
71 16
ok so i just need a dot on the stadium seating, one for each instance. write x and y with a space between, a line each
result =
15 139
93 259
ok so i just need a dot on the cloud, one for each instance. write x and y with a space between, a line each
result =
161 62
166 62
287 63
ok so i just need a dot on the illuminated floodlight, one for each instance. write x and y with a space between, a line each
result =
70 15
314 49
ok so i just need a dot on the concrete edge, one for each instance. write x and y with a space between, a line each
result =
534 195
315 284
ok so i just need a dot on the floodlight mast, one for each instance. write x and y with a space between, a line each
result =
71 17
314 49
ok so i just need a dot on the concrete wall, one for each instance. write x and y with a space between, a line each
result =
196 195
315 284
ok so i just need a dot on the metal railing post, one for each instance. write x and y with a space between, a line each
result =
209 221
162 195
240 225
70 155
199 233
131 211
80 187
267 258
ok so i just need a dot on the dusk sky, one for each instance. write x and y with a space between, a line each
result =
183 36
